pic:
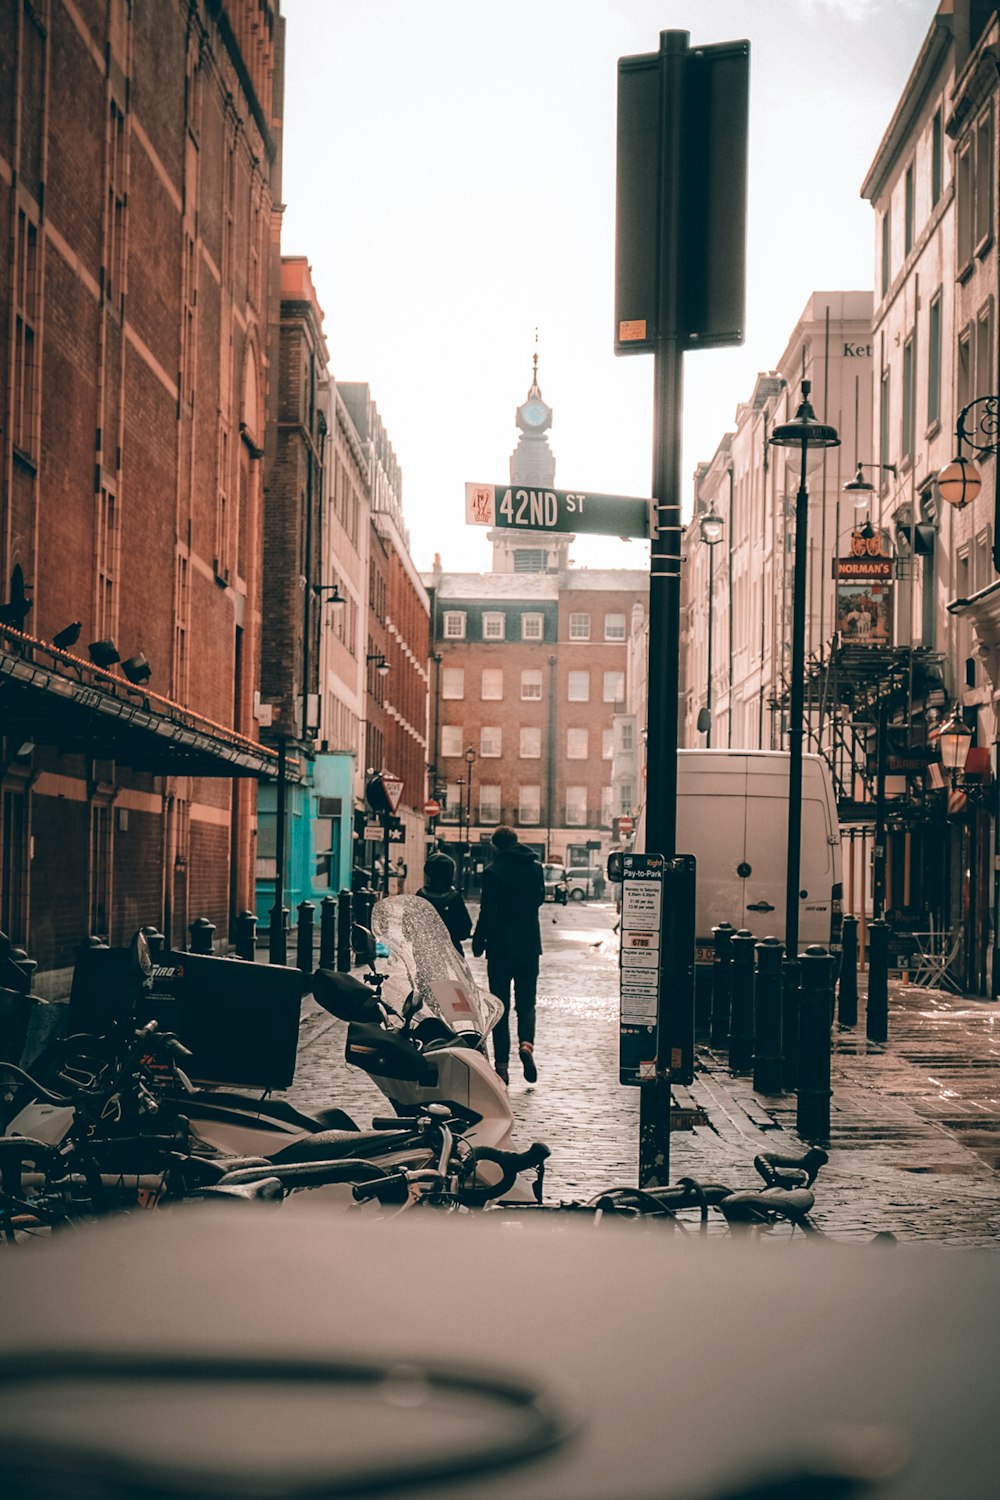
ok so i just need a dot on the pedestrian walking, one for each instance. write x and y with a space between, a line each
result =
508 933
440 890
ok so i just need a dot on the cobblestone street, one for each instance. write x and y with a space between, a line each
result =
915 1125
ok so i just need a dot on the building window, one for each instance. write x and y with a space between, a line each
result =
493 626
182 620
489 804
453 804
984 350
614 627
908 211
974 187
529 806
963 373
532 627
607 804
937 158
453 682
108 531
451 740
578 687
490 740
492 684
934 362
579 627
529 560
26 350
886 253
14 865
576 807
909 401
576 744
607 744
883 436
614 687
628 738
626 796
531 742
115 260
454 625
531 683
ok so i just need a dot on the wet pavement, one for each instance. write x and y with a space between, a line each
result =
915 1124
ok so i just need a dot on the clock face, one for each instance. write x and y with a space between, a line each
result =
534 413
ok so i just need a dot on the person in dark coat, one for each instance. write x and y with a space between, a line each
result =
439 889
508 933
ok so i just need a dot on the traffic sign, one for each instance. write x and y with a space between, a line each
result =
520 508
625 824
431 808
393 786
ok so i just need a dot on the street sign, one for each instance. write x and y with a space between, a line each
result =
393 786
517 507
431 808
375 832
625 824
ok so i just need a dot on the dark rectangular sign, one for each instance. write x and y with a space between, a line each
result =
521 507
680 245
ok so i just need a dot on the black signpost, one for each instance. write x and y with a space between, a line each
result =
679 284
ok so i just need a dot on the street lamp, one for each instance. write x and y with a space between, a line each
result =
711 527
381 665
803 432
861 490
960 481
954 740
470 760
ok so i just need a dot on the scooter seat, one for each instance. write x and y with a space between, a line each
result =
329 1145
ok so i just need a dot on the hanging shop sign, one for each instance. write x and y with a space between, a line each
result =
864 592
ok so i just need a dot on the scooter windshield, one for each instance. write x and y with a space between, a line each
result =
440 978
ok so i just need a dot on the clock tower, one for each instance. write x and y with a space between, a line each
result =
533 464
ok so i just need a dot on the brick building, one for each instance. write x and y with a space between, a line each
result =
139 150
398 643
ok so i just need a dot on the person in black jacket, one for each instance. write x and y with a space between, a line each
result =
439 889
509 934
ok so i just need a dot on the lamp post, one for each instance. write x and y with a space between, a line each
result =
960 481
470 760
711 527
803 432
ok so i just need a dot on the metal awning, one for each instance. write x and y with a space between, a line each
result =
54 698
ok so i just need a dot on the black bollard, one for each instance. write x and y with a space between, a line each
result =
722 985
328 933
789 1023
304 935
246 935
154 941
277 936
202 933
742 945
363 903
767 1067
345 903
847 989
812 1105
877 1016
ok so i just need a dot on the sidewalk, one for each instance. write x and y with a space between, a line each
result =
915 1124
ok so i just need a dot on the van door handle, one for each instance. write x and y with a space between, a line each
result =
760 906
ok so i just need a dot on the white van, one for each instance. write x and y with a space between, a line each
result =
732 815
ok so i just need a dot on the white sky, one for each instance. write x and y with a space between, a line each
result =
449 172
